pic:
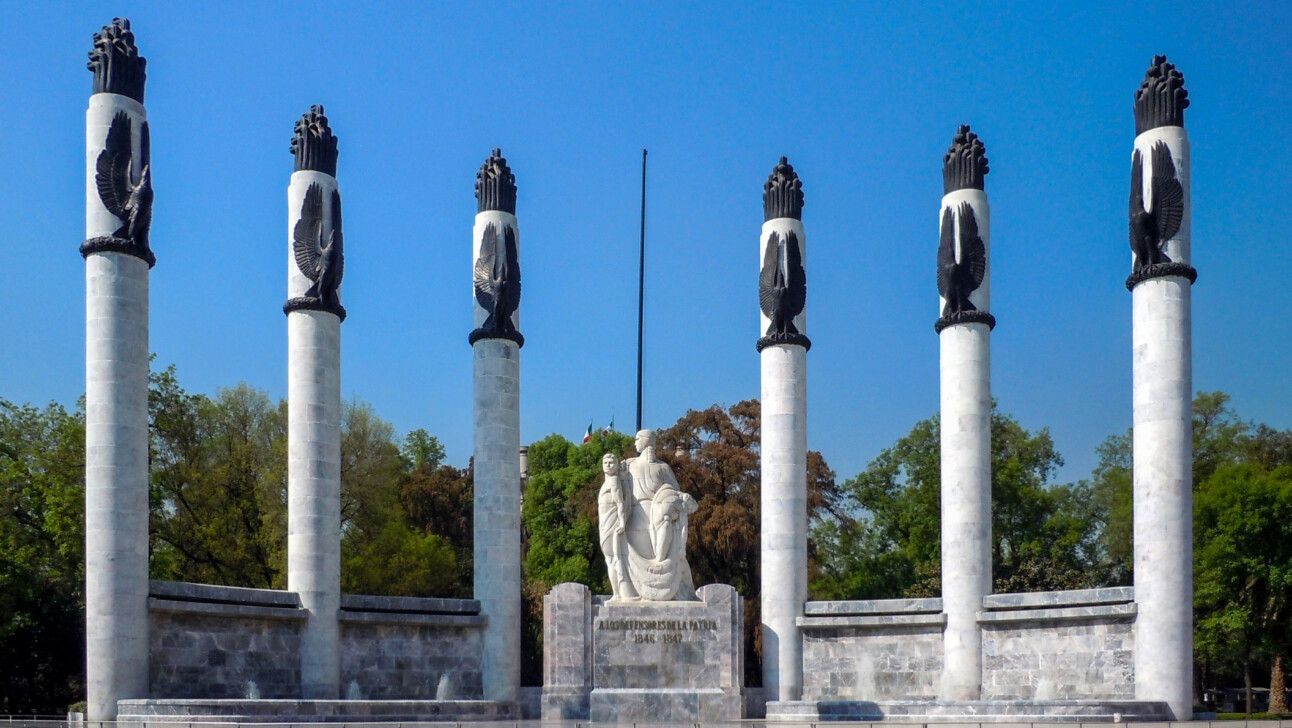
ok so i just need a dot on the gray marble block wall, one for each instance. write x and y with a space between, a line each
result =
222 642
887 649
226 642
1059 645
1041 646
410 661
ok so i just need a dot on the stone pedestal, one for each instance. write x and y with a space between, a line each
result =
650 662
116 441
567 652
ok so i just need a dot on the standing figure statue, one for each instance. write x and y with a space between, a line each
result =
612 510
643 516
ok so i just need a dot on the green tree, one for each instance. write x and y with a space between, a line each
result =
560 509
440 500
1219 438
383 552
1112 495
559 517
218 500
1044 535
218 485
219 474
422 450
1243 566
42 558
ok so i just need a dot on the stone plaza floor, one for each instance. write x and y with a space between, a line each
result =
22 722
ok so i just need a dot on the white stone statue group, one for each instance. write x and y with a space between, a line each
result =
642 513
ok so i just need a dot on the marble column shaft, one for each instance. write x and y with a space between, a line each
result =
783 522
314 463
116 442
496 375
966 477
1163 462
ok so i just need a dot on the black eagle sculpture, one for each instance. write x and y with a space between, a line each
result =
782 290
125 188
497 284
323 264
782 285
1152 227
959 276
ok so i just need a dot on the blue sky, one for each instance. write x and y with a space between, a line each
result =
863 99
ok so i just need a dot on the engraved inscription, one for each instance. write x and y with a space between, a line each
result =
661 631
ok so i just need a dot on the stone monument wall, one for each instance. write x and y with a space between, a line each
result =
411 649
1064 645
223 642
1068 645
886 649
215 642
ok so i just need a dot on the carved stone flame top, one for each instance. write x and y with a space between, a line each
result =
965 164
313 144
783 193
1161 99
115 62
496 185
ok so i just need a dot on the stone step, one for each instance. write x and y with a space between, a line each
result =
975 711
313 711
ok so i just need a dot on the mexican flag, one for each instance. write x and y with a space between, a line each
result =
588 435
607 429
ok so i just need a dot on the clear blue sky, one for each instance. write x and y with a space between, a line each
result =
863 99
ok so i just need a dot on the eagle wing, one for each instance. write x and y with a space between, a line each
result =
112 169
1168 195
767 289
796 281
308 231
946 252
1136 192
336 247
145 151
511 286
973 253
484 267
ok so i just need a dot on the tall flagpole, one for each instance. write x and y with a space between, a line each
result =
641 294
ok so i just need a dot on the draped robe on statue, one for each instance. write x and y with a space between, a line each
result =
647 558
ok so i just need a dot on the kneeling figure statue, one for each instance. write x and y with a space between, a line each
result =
642 513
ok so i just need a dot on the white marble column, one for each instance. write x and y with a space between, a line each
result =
116 440
496 376
314 440
783 450
1163 431
965 342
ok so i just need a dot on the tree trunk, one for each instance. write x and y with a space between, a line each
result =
1247 683
1278 687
